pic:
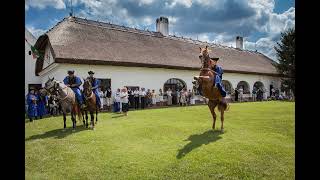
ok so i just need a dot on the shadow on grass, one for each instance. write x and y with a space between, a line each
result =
197 140
57 133
117 116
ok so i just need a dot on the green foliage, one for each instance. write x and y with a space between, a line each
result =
286 57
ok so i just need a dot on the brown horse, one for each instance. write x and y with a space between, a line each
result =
209 91
66 98
90 99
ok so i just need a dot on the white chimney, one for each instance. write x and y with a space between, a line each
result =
162 24
239 42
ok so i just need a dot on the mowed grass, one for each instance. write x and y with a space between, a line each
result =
170 143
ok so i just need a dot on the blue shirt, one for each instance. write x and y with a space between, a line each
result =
218 69
75 80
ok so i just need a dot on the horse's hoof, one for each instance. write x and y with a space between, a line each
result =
93 128
63 130
222 130
73 130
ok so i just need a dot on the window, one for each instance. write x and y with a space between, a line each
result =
174 84
104 84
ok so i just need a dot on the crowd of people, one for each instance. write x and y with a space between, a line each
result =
140 98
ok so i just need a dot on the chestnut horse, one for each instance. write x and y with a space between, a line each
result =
90 98
209 91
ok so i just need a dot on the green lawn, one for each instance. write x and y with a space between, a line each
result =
170 143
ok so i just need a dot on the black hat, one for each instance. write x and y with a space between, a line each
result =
90 72
71 72
214 58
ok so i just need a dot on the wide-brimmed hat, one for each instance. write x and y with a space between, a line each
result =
90 72
214 58
71 72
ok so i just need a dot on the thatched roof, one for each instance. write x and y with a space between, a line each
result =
80 41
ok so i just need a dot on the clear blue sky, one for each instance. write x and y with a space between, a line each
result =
260 22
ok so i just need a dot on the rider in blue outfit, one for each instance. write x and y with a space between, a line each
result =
74 83
95 83
218 78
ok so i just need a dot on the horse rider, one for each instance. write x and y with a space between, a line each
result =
95 83
218 77
74 83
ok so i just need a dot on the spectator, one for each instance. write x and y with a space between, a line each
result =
131 98
124 101
189 94
178 96
169 94
143 97
160 97
183 97
254 94
241 94
101 96
117 101
32 105
108 98
136 94
42 102
153 97
148 98
236 94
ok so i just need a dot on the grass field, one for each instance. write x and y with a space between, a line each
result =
170 143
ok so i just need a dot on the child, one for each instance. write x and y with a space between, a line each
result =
124 99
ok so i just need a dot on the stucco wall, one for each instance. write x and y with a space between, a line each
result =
30 77
149 78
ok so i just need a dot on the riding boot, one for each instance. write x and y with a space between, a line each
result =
30 119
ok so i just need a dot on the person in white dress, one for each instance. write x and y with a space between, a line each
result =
124 101
153 96
183 97
169 94
160 95
240 94
101 96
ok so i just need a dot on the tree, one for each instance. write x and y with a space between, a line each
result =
286 57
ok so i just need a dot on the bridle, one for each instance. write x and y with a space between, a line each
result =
87 89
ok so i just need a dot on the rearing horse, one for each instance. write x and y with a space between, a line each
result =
90 98
208 89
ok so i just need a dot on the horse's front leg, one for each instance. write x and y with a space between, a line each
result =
64 120
84 122
73 118
87 124
92 119
212 106
222 119
96 116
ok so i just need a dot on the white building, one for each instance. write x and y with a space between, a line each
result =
30 77
122 56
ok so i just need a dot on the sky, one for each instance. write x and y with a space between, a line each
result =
260 22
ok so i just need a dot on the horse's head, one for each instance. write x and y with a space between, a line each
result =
87 87
204 57
51 85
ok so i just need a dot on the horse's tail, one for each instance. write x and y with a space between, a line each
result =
223 106
77 111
